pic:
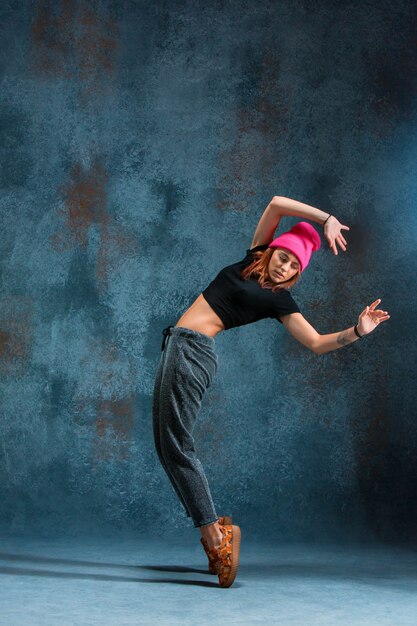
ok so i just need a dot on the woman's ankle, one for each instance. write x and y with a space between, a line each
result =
212 534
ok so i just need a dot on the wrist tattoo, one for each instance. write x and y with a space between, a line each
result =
343 339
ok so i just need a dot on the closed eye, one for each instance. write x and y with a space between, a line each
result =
294 265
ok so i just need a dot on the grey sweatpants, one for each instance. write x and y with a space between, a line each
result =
186 368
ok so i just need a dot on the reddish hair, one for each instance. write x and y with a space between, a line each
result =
259 269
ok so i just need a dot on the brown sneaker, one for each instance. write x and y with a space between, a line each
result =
225 520
226 557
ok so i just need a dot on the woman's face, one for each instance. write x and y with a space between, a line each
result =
282 262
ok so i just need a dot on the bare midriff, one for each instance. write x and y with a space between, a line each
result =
201 317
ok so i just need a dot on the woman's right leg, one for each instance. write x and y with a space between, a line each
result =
189 366
157 430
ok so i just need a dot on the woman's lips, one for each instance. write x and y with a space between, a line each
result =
280 275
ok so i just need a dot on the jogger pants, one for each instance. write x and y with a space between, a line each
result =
186 368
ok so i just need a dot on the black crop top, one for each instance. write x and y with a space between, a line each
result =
238 301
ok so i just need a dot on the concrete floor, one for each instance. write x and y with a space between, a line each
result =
154 581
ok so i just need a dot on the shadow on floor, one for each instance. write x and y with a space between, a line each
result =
27 571
17 571
377 569
6 556
369 572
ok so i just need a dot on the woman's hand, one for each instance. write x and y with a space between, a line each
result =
370 317
333 235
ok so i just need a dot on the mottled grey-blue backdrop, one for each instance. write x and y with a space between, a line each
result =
140 144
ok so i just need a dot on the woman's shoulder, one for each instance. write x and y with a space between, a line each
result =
261 247
249 256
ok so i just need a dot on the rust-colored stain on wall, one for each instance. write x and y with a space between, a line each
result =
114 416
71 40
85 204
116 243
16 333
52 39
252 155
5 341
117 419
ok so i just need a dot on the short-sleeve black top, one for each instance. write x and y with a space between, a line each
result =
238 301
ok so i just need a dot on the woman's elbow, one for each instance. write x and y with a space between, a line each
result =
276 200
310 346
317 347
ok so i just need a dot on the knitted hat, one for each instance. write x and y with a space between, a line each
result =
302 240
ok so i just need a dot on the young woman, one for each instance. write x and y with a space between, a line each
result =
252 289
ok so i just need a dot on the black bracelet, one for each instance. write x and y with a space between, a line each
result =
356 331
326 220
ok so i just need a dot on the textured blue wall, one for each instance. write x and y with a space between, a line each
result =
141 142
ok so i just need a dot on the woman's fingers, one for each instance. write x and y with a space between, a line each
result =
341 242
376 315
338 240
380 313
332 244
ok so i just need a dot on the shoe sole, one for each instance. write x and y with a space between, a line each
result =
236 536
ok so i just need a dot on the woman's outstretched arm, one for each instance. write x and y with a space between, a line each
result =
368 320
333 341
305 333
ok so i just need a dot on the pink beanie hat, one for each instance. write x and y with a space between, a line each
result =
302 240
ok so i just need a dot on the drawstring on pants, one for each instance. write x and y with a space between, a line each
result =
166 332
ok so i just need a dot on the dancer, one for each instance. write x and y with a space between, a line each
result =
254 288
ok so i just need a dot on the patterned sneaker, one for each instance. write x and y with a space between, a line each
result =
226 557
226 520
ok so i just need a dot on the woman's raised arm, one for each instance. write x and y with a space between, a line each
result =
332 228
267 225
